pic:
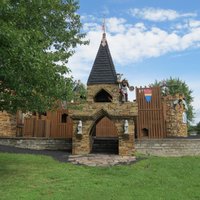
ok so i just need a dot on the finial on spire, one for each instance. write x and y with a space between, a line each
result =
104 25
103 41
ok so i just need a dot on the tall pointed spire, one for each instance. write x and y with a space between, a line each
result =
103 70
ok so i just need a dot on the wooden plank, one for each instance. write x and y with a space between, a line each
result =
29 124
106 128
47 128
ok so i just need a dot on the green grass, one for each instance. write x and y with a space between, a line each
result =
40 177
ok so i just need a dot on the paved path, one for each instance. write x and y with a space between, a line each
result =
102 160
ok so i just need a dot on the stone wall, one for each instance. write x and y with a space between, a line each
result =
169 147
7 124
38 143
87 110
174 118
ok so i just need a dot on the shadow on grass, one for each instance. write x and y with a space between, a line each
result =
61 156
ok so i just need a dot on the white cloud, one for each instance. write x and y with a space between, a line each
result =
91 26
187 25
194 23
81 62
157 14
116 25
131 43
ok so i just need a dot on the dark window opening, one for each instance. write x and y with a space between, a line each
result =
64 118
103 96
145 132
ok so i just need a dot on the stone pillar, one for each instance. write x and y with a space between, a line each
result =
81 143
174 118
126 141
7 125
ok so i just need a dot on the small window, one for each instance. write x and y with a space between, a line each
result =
64 118
103 96
145 132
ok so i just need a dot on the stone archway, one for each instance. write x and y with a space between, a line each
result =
83 143
104 136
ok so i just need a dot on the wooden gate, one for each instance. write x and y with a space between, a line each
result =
150 120
61 124
105 128
104 137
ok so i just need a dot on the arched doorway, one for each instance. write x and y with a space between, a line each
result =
104 136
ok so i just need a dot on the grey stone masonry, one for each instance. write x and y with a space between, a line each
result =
37 143
169 147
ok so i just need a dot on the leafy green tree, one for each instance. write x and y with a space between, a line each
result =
79 91
198 128
36 39
175 86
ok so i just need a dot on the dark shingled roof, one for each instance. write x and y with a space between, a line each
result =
103 70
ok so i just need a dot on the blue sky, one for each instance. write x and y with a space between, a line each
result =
149 40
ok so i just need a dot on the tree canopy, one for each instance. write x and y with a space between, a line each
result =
175 86
36 40
79 91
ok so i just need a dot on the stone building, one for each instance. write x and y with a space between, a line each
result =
103 116
104 121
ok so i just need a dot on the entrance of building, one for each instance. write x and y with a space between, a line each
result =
104 137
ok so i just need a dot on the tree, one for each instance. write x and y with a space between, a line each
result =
32 76
175 86
198 128
79 91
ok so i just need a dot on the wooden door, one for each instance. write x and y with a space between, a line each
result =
105 128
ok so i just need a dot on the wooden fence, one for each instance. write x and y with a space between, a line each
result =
150 120
59 125
55 125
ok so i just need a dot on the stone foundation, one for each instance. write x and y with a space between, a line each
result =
169 147
38 143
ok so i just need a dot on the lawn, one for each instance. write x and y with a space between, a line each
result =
41 177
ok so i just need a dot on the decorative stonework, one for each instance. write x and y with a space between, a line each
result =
7 125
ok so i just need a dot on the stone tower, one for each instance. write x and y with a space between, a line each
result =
103 115
102 82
